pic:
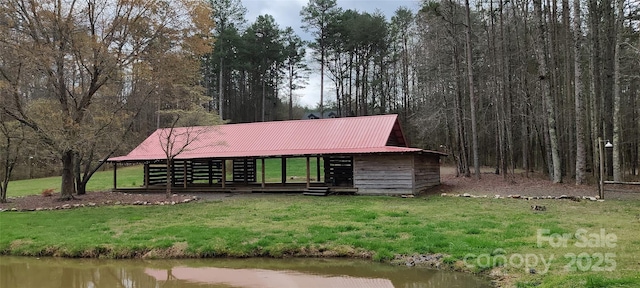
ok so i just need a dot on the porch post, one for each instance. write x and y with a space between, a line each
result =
223 178
115 175
210 166
318 168
263 181
308 174
184 174
146 175
246 174
171 173
284 170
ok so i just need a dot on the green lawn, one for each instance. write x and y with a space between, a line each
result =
472 229
296 168
132 176
502 236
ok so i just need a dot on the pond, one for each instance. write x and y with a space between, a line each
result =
27 272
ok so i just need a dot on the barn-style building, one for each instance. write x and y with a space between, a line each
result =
362 155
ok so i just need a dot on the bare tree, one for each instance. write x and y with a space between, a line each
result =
77 49
186 128
11 140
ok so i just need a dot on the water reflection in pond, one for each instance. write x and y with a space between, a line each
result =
260 272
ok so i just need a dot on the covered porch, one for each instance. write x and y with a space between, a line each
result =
301 173
363 155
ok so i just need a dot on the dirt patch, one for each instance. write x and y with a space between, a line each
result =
435 261
18 243
177 250
492 184
536 185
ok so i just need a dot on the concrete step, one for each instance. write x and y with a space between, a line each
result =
316 191
310 193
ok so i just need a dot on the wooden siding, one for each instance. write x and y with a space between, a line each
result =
156 174
426 171
209 171
383 174
245 170
338 170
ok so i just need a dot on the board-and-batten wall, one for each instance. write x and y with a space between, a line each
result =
393 174
426 170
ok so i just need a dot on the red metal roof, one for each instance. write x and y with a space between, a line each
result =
352 135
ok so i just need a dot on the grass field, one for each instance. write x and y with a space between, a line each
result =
484 232
296 168
133 176
102 180
571 244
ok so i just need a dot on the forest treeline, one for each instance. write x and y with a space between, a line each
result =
513 84
524 85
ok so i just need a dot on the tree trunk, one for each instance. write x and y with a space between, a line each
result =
82 187
290 92
472 97
543 69
357 88
581 154
322 52
568 97
81 184
68 186
617 163
608 63
635 127
169 177
264 100
8 164
461 143
595 87
525 140
220 90
405 78
3 190
8 167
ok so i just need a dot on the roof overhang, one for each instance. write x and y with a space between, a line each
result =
280 153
